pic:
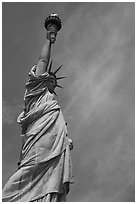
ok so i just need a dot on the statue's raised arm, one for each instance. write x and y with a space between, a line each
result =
53 25
44 56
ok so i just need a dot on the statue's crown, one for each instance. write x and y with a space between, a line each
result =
54 74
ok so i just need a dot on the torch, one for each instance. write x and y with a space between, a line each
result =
53 25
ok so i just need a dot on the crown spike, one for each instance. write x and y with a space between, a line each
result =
58 78
54 93
58 69
59 86
49 70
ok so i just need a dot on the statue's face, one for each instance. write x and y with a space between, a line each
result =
51 83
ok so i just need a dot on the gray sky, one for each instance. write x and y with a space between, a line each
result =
96 47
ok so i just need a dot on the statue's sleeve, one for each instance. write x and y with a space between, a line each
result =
35 79
35 87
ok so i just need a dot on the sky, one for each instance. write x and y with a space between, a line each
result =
96 48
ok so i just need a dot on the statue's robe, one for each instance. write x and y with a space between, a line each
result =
45 168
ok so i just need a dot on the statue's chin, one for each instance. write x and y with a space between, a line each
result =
51 91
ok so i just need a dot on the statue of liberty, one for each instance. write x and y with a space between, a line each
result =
45 169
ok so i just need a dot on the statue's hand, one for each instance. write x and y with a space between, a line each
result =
70 144
51 35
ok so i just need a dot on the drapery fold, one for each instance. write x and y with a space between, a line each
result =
45 163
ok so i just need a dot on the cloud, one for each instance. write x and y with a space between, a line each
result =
9 112
101 101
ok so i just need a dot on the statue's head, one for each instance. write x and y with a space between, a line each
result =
52 79
51 82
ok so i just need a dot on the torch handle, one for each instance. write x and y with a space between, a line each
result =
52 33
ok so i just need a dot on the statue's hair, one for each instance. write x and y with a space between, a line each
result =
52 74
